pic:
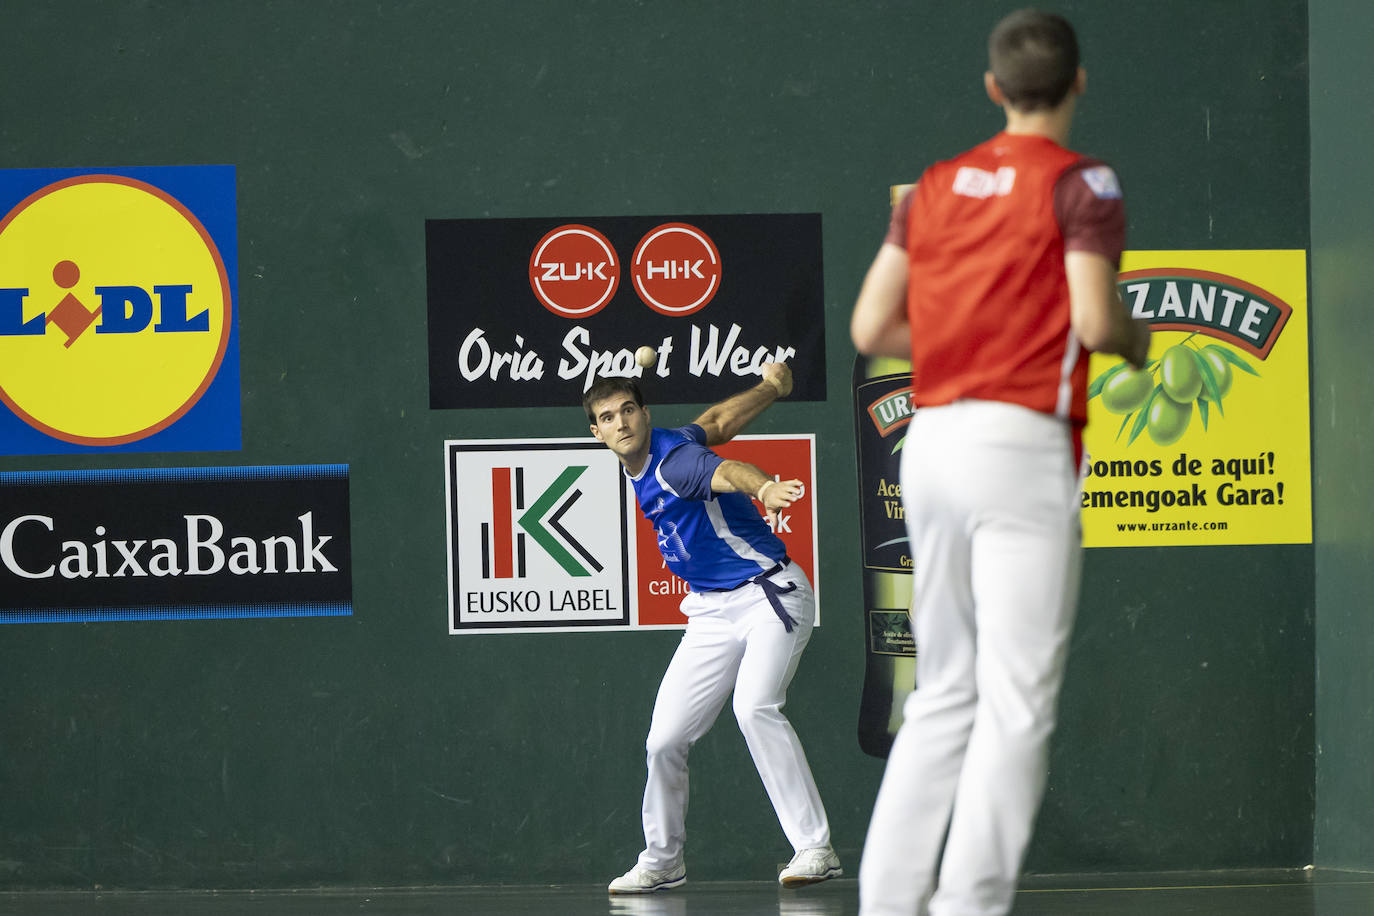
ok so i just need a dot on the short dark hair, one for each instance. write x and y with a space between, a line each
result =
1033 57
609 387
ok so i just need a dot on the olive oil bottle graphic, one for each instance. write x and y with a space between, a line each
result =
882 412
882 391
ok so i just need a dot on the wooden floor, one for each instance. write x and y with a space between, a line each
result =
1242 893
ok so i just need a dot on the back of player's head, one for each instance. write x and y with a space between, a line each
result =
610 387
1033 57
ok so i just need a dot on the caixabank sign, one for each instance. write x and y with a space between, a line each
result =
118 310
175 543
529 312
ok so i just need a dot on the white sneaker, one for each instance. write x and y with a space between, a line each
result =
809 866
640 880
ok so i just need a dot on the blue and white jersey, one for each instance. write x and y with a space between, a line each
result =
709 540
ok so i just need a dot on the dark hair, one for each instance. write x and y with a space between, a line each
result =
1033 57
608 387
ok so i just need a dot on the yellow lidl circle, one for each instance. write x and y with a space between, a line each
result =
114 310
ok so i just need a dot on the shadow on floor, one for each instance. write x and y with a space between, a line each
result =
1296 892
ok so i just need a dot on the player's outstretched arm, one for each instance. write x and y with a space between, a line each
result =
742 477
723 421
879 325
1099 318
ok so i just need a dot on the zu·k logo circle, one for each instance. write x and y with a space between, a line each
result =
574 271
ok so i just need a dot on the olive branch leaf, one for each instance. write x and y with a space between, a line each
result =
1143 418
1236 360
1209 382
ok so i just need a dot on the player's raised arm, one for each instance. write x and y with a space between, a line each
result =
725 420
1099 318
742 477
879 325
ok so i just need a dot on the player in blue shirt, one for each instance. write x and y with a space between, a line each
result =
749 616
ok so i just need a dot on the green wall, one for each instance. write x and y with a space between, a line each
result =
1342 277
378 749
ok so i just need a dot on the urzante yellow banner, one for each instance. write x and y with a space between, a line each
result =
1210 443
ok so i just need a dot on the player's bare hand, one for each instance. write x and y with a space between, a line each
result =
779 375
1139 348
779 494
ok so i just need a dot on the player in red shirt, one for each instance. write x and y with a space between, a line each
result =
998 274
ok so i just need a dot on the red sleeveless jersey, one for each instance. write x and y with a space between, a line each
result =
987 294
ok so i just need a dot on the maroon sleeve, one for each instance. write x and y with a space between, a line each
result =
896 227
1090 211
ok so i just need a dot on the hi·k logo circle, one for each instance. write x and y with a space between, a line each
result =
117 317
574 270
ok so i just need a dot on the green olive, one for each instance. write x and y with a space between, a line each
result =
1126 390
1179 375
1221 368
1168 420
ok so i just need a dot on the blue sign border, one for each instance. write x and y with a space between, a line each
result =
215 422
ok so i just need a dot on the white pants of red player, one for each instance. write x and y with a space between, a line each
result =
734 640
991 492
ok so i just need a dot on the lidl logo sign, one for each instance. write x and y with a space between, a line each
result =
117 311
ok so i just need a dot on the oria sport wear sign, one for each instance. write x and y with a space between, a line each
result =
529 312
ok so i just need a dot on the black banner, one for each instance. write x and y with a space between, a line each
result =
528 312
169 543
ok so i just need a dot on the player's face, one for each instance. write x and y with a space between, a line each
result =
624 426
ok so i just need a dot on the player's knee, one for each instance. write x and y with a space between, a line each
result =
666 742
1028 732
751 713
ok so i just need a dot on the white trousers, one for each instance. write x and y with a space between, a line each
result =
992 507
734 640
